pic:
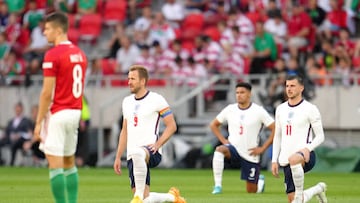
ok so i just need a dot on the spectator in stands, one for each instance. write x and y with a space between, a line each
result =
316 13
212 51
33 148
257 12
265 49
239 19
163 60
114 43
241 45
231 63
327 57
67 6
94 73
86 7
32 16
38 44
299 24
161 31
134 6
4 47
18 130
11 67
173 12
143 23
4 15
276 26
317 72
344 70
13 32
335 19
272 7
345 42
145 59
196 5
126 55
226 37
216 13
16 6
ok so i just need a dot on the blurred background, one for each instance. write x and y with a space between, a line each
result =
196 52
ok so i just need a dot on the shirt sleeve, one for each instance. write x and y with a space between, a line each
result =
49 65
277 138
316 124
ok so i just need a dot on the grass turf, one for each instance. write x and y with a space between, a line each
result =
101 185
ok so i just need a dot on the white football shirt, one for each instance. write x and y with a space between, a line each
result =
296 127
244 126
143 118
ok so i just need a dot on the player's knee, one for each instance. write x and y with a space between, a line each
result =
295 159
138 153
221 149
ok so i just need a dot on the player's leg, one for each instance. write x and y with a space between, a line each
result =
220 153
317 190
54 148
139 170
172 196
297 161
250 172
72 119
289 183
72 178
57 178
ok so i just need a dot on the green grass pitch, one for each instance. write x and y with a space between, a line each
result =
101 185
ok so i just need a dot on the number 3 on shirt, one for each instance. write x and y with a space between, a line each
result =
77 86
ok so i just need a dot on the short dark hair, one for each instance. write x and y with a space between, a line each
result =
143 72
295 77
244 85
59 20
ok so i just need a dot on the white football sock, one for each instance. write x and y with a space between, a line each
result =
155 197
309 193
139 170
298 178
218 167
260 185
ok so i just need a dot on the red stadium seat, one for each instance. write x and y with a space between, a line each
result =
72 20
192 25
213 32
114 12
73 35
90 26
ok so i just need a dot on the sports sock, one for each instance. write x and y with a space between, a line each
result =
155 197
261 184
140 171
218 167
72 181
310 192
298 178
57 183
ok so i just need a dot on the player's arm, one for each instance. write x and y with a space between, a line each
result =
170 129
276 146
215 128
44 104
121 147
267 143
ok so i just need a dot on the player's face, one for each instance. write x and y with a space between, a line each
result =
50 32
134 81
242 95
293 89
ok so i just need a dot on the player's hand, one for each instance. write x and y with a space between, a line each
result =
117 166
256 151
153 148
275 169
36 137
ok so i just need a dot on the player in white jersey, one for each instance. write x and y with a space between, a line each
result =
140 136
245 120
298 131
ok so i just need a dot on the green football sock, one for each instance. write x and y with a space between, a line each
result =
57 182
72 182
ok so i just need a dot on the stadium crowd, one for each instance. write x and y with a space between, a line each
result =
188 41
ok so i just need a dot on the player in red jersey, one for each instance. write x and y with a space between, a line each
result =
60 106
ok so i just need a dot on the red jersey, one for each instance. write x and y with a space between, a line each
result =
297 22
68 64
